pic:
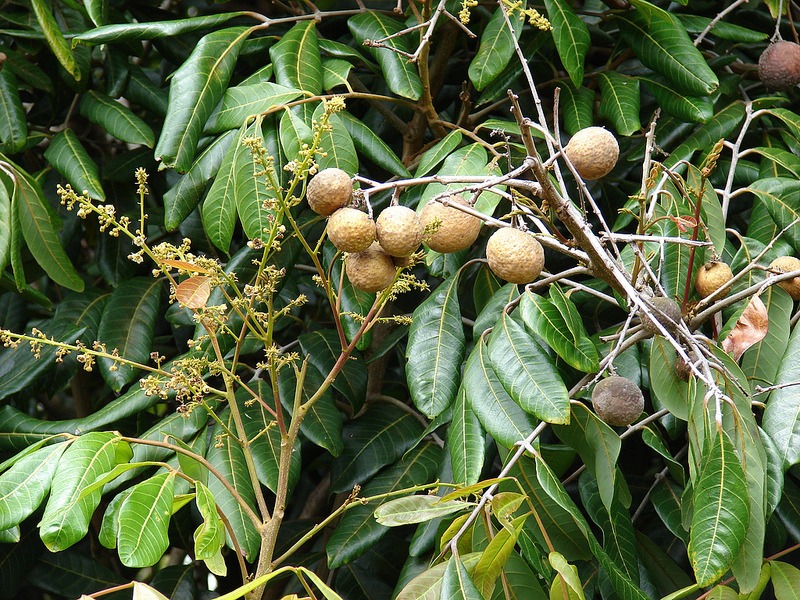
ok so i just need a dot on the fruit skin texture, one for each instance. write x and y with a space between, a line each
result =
779 65
786 264
617 401
457 231
514 255
329 190
399 230
712 276
371 270
593 152
351 230
670 319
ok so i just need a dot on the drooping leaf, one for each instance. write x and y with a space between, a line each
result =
219 207
196 88
438 152
124 32
416 509
577 108
116 119
55 38
619 101
336 144
435 351
781 196
13 123
465 440
698 109
144 520
400 75
243 101
782 415
785 580
571 37
372 146
495 50
70 158
128 326
494 557
5 226
457 584
66 515
296 58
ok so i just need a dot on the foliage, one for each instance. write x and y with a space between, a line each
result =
191 386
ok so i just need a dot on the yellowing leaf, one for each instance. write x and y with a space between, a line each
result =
194 292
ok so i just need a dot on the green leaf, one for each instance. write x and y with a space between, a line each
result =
40 225
144 520
27 71
500 416
660 41
116 119
695 24
69 574
721 510
26 483
400 75
126 32
209 537
335 72
571 37
371 146
780 158
296 58
781 196
417 509
465 440
244 101
720 126
336 145
54 38
378 437
196 88
428 584
456 583
227 456
66 518
785 580
128 326
293 133
527 372
670 391
438 152
494 557
251 191
182 198
664 572
219 207
782 415
546 319
620 101
435 351
70 158
698 109
495 50
577 108
358 530
323 350
568 581
13 120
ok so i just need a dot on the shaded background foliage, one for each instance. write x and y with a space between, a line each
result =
92 91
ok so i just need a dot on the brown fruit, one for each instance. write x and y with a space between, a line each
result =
329 190
787 264
399 230
617 401
666 311
712 276
514 255
457 229
371 270
351 230
779 65
593 152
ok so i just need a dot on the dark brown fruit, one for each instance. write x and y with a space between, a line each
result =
617 401
682 368
667 312
779 65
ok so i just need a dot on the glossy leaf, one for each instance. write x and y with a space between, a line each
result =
219 207
116 119
125 32
619 101
438 152
721 510
457 584
782 415
55 38
781 196
196 88
323 349
13 124
698 109
428 584
495 50
40 224
527 373
660 41
670 391
244 101
371 146
209 537
571 37
128 326
500 416
723 30
67 514
718 127
465 440
335 72
5 227
785 580
435 351
490 565
336 145
400 75
182 198
70 158
144 519
416 509
293 133
296 58
577 108
378 437
358 530
780 158
26 484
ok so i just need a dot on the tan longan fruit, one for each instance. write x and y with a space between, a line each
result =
670 318
787 264
779 65
457 229
514 255
351 230
593 152
712 276
371 270
329 190
399 230
617 401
